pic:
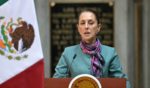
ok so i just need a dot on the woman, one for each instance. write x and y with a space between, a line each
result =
90 56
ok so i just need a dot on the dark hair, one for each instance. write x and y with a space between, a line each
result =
92 11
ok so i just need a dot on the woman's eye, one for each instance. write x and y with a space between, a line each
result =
82 23
91 22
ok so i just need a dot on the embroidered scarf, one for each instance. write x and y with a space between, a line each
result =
94 50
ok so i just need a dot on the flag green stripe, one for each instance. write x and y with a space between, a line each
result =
2 2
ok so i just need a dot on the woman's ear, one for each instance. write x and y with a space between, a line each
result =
99 27
77 27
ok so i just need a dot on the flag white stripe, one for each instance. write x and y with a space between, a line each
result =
26 10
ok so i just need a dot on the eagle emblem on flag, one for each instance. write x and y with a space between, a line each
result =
15 37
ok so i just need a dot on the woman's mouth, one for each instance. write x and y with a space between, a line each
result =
86 33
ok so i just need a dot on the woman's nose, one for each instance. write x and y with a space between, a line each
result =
86 25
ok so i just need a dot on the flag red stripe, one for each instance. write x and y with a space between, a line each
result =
32 77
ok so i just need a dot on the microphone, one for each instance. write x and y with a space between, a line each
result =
74 56
69 73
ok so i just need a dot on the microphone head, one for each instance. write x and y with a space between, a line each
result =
74 56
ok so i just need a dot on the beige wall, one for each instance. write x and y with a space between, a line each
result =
42 10
146 45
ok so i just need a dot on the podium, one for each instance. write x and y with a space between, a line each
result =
105 82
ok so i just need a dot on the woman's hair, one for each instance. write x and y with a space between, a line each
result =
92 11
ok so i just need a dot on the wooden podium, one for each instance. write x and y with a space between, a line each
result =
105 82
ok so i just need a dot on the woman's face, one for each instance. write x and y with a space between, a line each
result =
88 27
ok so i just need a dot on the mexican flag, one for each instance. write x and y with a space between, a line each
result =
21 57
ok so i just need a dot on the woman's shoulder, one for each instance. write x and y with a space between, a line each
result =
72 49
107 49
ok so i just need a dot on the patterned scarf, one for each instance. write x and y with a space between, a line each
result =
94 50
